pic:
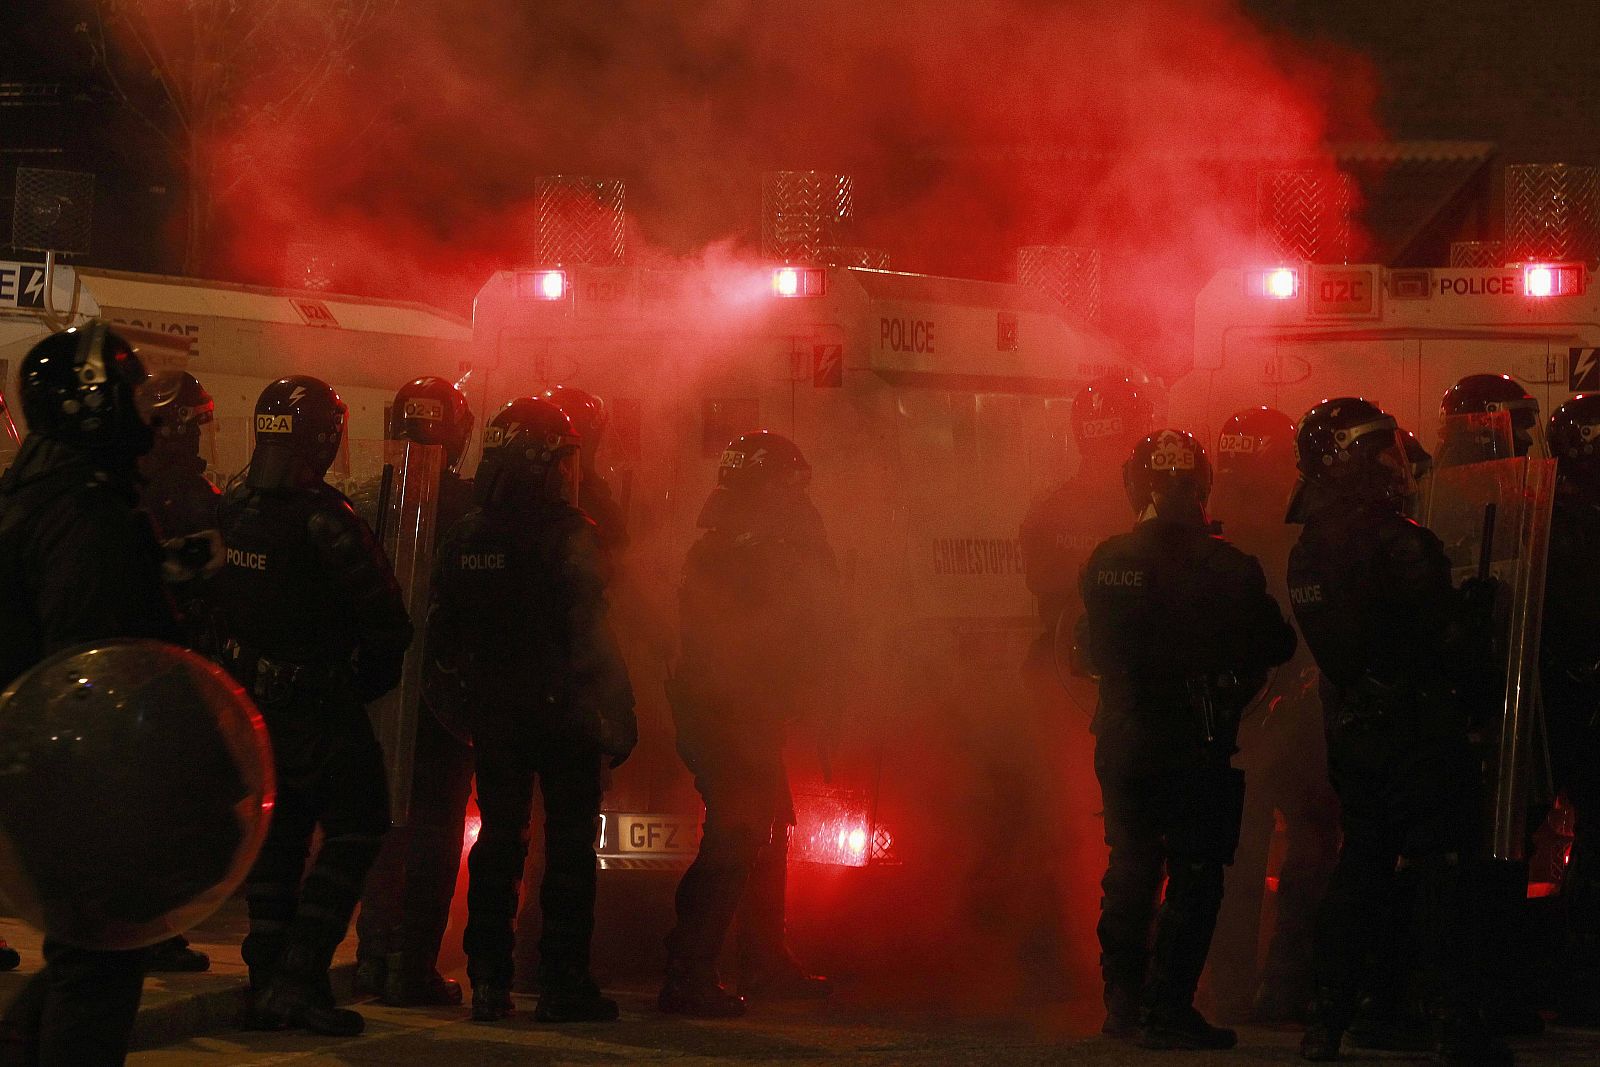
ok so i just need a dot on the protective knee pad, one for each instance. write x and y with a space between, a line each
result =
1196 882
1133 873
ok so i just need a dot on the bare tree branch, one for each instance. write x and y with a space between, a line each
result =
225 67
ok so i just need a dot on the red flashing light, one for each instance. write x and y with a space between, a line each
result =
542 285
1273 283
552 284
799 281
1552 279
1283 283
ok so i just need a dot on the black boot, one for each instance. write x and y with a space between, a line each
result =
1465 1039
372 974
693 990
409 983
174 956
1124 1012
782 978
288 1006
577 1001
1330 1016
298 998
1185 1028
491 1002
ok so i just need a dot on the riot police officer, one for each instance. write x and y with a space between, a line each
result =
1060 530
406 907
176 494
1372 593
1466 437
520 616
1181 630
1570 684
759 605
1282 753
78 564
313 625
181 503
595 498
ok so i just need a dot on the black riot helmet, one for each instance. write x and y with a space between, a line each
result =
1256 445
1349 451
1468 428
527 455
181 405
587 412
432 411
1109 416
299 426
761 491
85 386
1171 465
1574 436
762 460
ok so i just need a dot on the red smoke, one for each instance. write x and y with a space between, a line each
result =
970 128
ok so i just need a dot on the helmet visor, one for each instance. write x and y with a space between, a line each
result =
148 395
569 475
1527 428
1389 453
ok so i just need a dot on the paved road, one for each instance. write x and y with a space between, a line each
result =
803 1034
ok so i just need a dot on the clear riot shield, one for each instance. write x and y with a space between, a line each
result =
404 500
9 443
1475 438
1501 509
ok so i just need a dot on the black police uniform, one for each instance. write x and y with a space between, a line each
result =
595 500
1570 686
759 608
601 505
177 496
314 627
1284 755
77 564
406 908
1178 620
1372 594
520 611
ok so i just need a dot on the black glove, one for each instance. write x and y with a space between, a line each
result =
1478 597
618 738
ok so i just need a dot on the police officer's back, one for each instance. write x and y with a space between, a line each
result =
1372 592
760 616
520 614
1181 630
78 564
313 625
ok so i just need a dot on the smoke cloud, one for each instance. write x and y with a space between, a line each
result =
970 128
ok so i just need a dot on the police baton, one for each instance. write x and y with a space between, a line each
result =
385 491
1486 557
